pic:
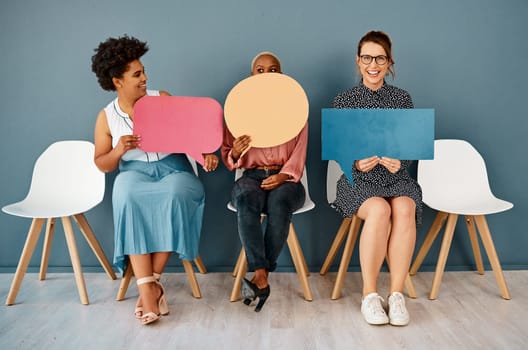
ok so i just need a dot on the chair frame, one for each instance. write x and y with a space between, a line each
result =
41 167
348 229
189 271
32 239
294 246
450 220
187 265
475 219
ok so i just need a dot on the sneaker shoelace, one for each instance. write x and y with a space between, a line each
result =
396 304
374 305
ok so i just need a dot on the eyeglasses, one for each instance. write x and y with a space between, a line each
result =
367 59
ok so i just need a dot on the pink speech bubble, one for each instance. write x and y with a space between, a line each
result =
179 124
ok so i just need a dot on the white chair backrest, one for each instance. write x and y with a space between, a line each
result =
65 173
333 173
457 171
193 164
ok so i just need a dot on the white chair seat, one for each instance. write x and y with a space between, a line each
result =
40 208
307 206
469 205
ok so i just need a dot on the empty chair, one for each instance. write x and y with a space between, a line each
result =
65 183
349 229
456 183
293 244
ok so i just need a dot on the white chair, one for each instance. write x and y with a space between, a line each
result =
349 228
456 183
65 183
293 244
187 265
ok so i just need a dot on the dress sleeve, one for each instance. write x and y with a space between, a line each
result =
227 150
294 166
407 101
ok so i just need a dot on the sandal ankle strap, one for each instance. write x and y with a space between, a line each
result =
148 279
156 275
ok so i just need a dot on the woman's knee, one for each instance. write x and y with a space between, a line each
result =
286 198
375 207
403 207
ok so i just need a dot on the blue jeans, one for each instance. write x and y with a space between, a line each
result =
263 250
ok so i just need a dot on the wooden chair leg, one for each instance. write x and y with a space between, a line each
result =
240 258
428 242
240 273
298 250
88 233
442 256
338 241
48 238
187 265
200 265
25 257
345 259
125 282
472 231
300 265
411 292
487 241
76 262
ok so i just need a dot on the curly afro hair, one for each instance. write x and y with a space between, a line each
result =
112 57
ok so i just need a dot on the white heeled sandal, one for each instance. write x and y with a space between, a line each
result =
138 311
151 317
163 306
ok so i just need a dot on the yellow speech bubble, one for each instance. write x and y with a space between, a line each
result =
271 108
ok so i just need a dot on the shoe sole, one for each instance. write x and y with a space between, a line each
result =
399 323
377 322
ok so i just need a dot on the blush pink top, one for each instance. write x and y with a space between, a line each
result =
291 155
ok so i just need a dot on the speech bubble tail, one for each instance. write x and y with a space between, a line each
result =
347 170
198 157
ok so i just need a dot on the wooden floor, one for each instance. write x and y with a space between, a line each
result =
469 314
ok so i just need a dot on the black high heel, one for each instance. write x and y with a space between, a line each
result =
250 292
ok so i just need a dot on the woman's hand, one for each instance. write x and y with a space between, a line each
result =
392 165
273 181
367 164
240 145
128 142
211 162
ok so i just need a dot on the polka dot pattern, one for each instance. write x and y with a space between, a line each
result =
378 182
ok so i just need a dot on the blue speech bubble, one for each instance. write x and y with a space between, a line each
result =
351 134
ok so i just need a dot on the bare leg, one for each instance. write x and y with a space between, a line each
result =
148 292
402 240
260 278
376 212
159 261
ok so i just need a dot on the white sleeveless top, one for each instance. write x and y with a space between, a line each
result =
120 124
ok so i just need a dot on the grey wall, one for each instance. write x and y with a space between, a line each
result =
467 59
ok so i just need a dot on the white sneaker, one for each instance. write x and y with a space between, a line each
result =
398 314
372 310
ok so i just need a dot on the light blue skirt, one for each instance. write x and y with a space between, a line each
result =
158 207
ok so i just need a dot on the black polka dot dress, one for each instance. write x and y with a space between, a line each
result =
378 182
